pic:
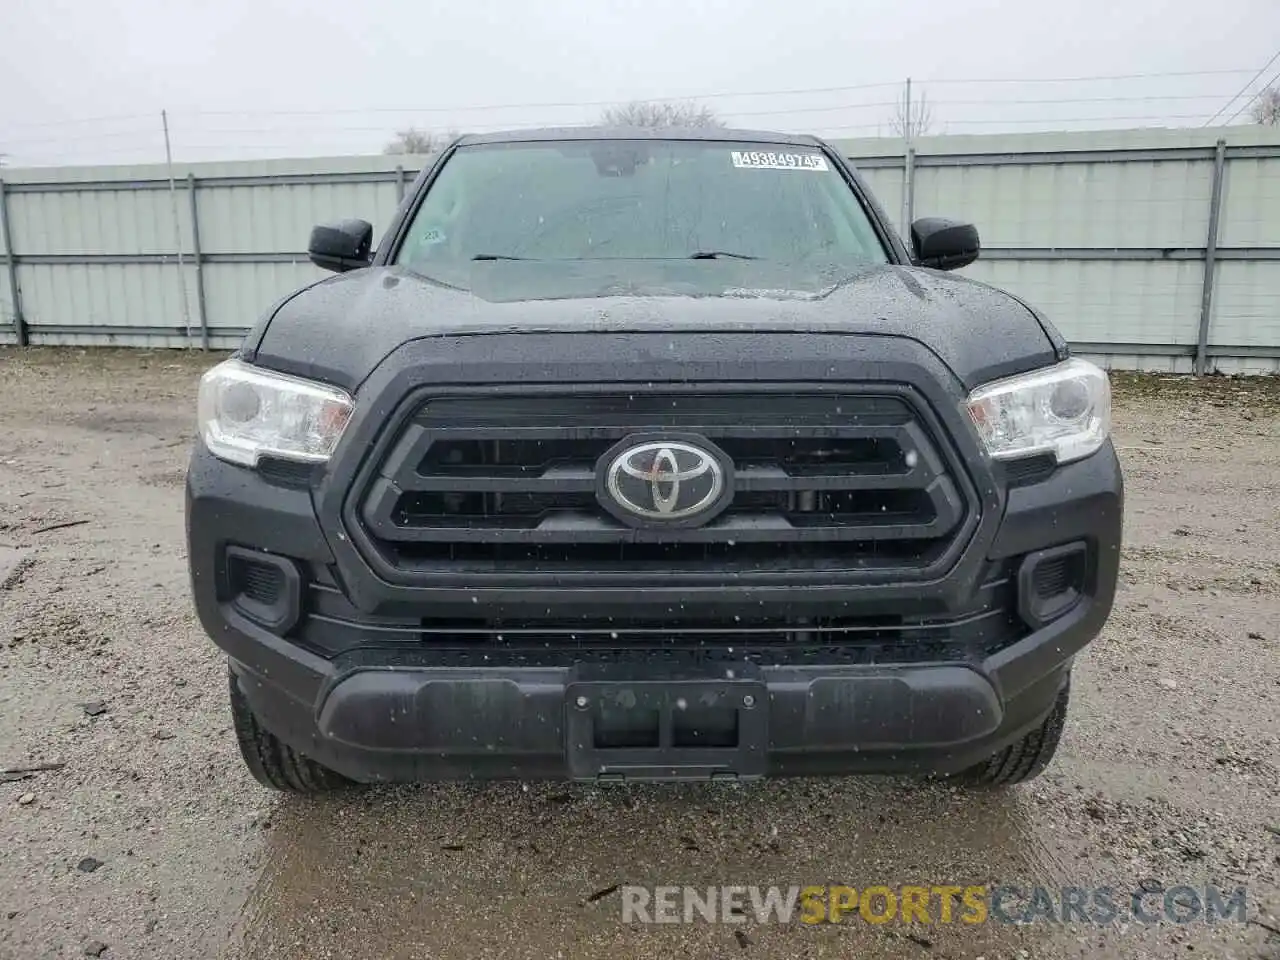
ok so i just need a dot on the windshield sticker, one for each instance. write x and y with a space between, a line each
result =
755 160
433 235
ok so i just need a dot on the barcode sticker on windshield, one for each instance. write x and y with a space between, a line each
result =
757 160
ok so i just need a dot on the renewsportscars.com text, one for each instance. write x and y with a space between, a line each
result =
941 903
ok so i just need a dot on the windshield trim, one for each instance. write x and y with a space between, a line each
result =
621 133
397 233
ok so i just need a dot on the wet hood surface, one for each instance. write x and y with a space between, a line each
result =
341 328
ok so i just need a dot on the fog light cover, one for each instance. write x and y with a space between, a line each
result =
1051 582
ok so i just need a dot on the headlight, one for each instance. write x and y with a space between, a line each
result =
246 413
1064 410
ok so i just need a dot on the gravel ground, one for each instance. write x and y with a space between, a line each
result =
147 839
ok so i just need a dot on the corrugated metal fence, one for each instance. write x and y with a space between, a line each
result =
1152 249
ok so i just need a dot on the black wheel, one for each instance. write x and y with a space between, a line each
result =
1026 759
273 763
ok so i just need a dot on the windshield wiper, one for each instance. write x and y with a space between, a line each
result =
700 255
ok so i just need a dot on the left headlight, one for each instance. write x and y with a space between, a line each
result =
1064 409
246 413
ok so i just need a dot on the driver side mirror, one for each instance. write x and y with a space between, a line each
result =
341 246
944 244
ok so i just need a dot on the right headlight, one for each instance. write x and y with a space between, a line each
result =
1064 409
246 412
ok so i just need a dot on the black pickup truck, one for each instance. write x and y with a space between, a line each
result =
650 455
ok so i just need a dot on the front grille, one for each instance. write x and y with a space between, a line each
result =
911 634
823 482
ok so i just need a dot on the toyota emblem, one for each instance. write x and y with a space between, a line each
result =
665 481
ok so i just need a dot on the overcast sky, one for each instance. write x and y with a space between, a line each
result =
84 81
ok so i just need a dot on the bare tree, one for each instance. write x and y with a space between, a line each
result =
413 140
1266 110
658 113
914 119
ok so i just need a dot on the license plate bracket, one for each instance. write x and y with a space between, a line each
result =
670 729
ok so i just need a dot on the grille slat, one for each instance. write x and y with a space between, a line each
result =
841 481
610 564
481 480
577 479
585 527
526 508
988 623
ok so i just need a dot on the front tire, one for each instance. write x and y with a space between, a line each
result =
273 762
1027 758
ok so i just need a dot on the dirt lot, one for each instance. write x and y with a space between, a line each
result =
148 840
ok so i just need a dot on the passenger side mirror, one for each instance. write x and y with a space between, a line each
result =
944 244
341 246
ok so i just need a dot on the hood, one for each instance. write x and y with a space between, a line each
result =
339 329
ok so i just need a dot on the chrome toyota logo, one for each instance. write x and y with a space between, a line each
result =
664 481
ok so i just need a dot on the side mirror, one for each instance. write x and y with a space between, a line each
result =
944 244
341 246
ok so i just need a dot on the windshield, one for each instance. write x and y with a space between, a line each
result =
640 200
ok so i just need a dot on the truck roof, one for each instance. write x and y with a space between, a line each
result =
552 134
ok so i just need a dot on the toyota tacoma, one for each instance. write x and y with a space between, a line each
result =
650 455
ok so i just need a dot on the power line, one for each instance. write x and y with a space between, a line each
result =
1248 103
1111 99
1116 76
533 125
1000 121
1171 116
707 96
541 106
198 138
350 138
81 138
341 128
779 111
190 122
197 128
789 110
1264 69
83 120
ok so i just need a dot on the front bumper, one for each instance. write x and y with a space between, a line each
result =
410 723
348 680
381 713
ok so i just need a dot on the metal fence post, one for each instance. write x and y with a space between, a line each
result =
1210 257
399 182
909 186
11 258
199 259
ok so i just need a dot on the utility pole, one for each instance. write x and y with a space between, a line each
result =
906 117
177 227
908 173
